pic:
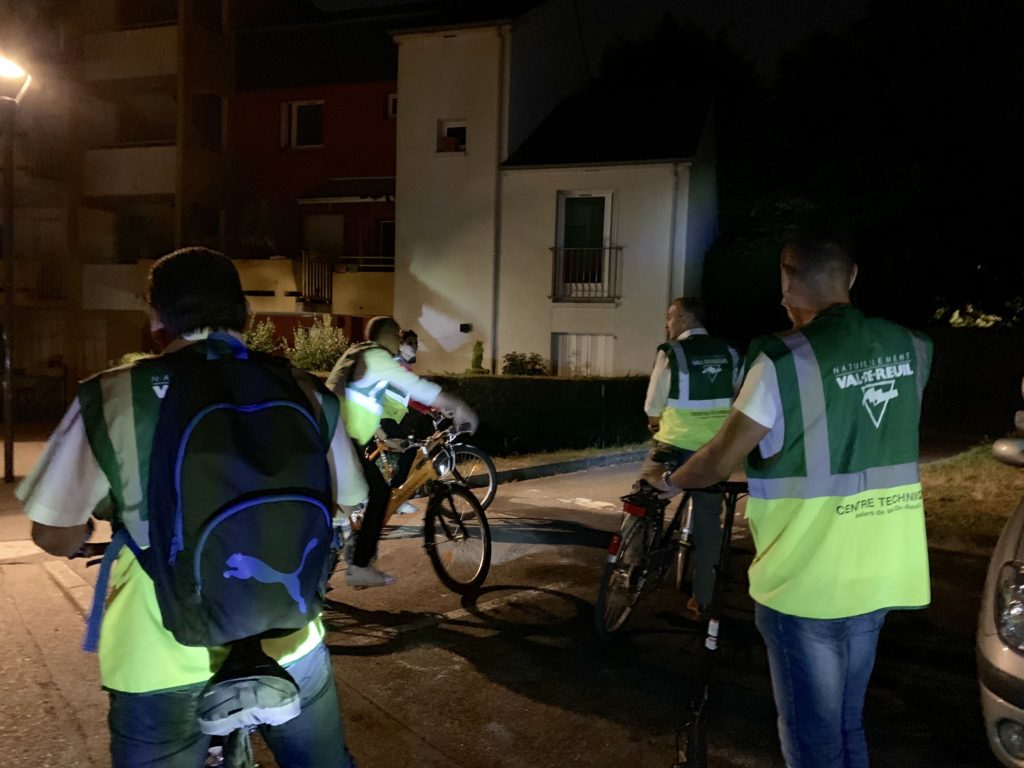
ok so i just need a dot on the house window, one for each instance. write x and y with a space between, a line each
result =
585 263
581 354
451 135
392 105
302 124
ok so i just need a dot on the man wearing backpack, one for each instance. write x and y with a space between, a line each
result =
365 378
108 457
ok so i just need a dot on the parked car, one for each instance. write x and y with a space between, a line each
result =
1000 645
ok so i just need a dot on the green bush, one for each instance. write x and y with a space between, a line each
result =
476 365
526 414
523 364
262 337
318 347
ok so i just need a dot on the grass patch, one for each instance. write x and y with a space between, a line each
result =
968 497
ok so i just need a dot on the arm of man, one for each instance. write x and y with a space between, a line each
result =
717 459
657 391
64 488
752 417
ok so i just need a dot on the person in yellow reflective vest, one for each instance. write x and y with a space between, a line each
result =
369 382
828 420
688 396
153 681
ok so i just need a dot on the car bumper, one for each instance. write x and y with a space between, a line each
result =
994 709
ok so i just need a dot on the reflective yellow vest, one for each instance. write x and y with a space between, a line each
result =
702 373
837 515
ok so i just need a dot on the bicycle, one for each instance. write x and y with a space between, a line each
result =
471 466
456 534
641 552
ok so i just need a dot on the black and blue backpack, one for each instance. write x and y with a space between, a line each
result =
239 495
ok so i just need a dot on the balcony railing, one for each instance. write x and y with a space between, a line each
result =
317 278
586 274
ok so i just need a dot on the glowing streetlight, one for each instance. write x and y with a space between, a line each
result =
16 79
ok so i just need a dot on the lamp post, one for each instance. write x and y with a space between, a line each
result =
16 79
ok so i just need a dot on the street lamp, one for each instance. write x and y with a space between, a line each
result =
14 79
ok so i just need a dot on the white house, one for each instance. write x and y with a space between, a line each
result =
532 219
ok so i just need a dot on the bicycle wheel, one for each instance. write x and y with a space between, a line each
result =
474 469
458 539
622 582
684 550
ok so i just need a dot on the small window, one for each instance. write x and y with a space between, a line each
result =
302 124
451 135
581 354
392 105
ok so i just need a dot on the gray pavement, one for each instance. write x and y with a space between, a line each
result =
515 678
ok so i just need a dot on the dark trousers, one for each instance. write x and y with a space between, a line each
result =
373 516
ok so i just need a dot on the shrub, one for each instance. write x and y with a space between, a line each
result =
476 365
318 347
262 337
523 364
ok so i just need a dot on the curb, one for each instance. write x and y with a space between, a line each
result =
71 584
565 467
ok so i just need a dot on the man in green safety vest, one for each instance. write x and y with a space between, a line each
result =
98 460
828 421
691 388
369 380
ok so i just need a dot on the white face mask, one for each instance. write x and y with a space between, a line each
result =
408 353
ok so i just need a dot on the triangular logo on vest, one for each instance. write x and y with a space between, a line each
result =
876 399
160 384
711 371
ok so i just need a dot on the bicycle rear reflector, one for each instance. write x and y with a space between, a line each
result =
634 509
613 546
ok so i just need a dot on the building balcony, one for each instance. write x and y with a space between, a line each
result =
130 171
131 54
38 282
586 275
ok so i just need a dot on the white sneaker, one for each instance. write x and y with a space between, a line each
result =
362 577
407 508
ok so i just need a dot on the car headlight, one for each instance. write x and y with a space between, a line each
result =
1011 736
1009 605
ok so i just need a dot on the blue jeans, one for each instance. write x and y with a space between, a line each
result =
160 730
820 670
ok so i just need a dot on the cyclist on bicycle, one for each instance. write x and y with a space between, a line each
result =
694 380
366 377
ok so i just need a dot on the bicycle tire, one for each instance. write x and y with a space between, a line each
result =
476 471
684 554
623 578
457 538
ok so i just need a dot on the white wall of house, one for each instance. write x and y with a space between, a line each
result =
445 201
641 222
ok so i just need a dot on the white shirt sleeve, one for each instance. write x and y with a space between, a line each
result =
760 400
658 386
66 485
349 484
381 366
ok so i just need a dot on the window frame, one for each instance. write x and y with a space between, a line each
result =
290 123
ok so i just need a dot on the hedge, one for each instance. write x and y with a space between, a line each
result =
527 414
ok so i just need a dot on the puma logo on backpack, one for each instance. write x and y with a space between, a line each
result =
249 567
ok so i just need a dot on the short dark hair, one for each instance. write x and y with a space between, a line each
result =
194 288
381 326
692 304
408 336
817 252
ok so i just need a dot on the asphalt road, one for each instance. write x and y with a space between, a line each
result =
517 678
